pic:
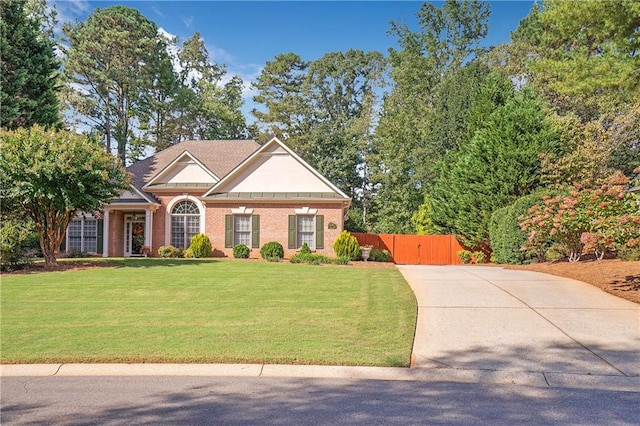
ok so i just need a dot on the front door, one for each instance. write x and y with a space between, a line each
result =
133 235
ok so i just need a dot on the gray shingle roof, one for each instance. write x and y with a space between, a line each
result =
219 156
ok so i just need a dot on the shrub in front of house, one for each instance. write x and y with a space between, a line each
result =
305 249
379 256
167 251
272 251
346 245
241 251
200 247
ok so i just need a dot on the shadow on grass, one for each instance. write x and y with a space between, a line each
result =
152 262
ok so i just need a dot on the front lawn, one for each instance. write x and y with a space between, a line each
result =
208 311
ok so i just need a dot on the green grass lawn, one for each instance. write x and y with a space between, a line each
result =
208 311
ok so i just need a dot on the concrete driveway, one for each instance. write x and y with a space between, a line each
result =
490 318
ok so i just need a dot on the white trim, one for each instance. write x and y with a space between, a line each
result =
242 210
105 233
174 162
263 148
167 221
306 211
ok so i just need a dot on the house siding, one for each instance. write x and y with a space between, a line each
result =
116 233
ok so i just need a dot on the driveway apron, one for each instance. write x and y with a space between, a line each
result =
490 318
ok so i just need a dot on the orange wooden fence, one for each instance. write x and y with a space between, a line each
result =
415 249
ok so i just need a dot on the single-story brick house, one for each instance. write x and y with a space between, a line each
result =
233 191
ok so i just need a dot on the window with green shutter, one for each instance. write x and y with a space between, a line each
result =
228 230
255 231
319 231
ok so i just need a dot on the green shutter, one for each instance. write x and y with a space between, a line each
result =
99 235
293 237
319 231
228 230
255 231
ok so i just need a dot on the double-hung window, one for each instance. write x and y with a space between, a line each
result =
306 231
306 227
242 230
82 235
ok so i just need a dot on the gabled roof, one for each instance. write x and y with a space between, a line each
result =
219 157
165 174
317 186
133 196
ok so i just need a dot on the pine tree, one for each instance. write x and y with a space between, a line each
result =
28 71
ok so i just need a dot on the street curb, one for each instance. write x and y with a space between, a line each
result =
424 375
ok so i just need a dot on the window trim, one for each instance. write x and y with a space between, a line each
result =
169 215
83 219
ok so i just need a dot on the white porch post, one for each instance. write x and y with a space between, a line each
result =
105 234
148 217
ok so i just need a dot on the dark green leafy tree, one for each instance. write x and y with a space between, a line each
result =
51 175
406 143
28 70
500 164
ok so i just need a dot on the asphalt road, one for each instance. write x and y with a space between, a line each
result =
118 400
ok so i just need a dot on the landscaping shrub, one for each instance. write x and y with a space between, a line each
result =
19 244
241 251
318 259
305 249
75 253
380 255
506 236
272 251
346 245
188 254
200 246
479 257
167 251
629 253
464 256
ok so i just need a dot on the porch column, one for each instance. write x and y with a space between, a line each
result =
105 234
148 217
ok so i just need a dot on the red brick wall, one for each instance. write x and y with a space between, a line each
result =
274 225
116 234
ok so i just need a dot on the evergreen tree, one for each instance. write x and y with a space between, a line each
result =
500 164
28 71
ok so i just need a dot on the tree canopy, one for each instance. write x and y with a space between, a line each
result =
28 70
52 175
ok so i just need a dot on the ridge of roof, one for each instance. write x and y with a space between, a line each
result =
219 156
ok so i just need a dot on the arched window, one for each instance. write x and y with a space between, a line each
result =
185 223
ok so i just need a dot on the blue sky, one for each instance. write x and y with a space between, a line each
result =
245 34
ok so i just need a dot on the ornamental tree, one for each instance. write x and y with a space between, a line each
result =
52 175
586 221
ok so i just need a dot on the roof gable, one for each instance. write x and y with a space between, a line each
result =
132 196
219 157
274 168
184 171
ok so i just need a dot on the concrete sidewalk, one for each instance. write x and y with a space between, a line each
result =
493 319
475 325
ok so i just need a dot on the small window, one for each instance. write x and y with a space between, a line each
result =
242 230
82 235
306 231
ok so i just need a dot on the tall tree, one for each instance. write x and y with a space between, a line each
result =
54 174
28 70
110 60
583 56
279 88
500 164
325 111
448 37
